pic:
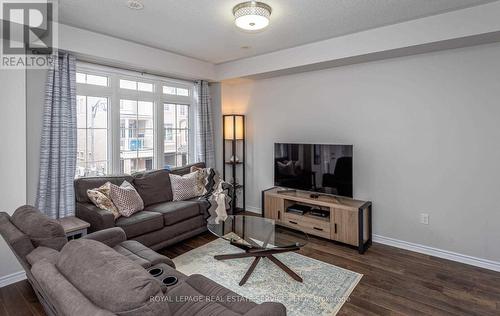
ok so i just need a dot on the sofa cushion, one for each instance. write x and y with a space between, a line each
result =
62 295
215 299
202 203
88 183
140 223
175 211
42 253
108 279
42 230
153 186
141 254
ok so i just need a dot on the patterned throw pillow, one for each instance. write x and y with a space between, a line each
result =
202 174
126 199
185 187
100 197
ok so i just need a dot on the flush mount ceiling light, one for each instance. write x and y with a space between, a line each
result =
252 15
135 4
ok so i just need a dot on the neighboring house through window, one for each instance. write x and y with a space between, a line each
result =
129 122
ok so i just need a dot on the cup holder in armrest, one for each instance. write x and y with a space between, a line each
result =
156 272
170 280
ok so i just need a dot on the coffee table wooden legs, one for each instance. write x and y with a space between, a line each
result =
250 270
283 267
268 253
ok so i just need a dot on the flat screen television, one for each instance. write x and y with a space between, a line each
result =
314 167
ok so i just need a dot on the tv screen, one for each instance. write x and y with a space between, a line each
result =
311 167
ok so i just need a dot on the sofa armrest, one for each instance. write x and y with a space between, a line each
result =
267 309
97 218
109 236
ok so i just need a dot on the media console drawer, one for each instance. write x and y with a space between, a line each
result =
317 227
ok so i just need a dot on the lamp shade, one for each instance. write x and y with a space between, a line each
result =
233 127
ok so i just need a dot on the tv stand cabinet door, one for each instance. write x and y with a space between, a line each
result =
345 226
273 207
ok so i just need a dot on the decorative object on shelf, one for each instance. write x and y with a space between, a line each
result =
252 15
234 157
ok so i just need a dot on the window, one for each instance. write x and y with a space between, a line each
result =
176 124
175 91
91 79
92 135
137 131
128 122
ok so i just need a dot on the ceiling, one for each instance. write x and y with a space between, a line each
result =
204 29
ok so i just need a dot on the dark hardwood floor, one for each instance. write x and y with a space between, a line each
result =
395 282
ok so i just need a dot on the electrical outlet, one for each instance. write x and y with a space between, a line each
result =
424 218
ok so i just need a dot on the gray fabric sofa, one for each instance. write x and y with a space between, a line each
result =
163 222
34 237
105 274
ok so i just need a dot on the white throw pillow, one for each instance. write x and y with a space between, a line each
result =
126 199
184 187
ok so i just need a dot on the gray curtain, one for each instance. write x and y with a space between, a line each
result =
58 140
205 147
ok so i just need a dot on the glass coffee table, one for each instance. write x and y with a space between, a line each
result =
260 238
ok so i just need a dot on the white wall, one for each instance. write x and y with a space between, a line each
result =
111 51
12 154
425 132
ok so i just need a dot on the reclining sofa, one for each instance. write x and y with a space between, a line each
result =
105 274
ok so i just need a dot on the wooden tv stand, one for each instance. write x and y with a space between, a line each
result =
349 220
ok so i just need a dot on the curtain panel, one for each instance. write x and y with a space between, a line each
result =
58 140
204 138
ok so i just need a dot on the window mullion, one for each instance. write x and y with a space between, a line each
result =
115 126
159 128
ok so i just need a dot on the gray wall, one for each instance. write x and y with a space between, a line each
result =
425 132
12 154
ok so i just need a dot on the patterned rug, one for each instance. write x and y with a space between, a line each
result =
323 292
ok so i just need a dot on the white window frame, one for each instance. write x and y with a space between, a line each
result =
114 93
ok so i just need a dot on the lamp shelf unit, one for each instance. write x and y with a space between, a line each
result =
233 148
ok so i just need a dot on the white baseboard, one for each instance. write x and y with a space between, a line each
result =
253 209
431 251
440 253
12 278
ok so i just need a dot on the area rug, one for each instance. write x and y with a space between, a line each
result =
323 292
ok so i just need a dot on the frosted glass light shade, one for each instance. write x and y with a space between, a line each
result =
233 125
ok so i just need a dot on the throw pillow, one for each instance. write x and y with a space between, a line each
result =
126 199
201 178
101 198
184 187
153 186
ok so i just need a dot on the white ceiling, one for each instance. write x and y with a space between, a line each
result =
204 29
